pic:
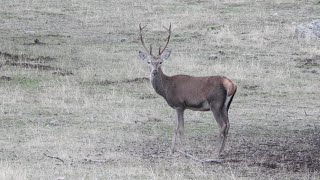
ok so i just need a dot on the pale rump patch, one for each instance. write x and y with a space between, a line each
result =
227 101
230 86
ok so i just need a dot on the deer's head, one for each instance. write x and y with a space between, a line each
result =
154 61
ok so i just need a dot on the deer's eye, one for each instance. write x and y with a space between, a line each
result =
148 62
160 63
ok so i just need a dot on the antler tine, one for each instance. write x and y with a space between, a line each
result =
141 38
168 39
168 29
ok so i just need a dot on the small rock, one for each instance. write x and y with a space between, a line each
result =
5 78
310 30
213 57
314 72
221 52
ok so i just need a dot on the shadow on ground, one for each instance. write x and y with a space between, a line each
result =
296 153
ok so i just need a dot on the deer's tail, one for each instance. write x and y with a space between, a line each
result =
231 89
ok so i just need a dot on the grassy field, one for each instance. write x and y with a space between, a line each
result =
75 101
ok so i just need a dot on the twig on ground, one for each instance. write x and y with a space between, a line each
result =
53 157
199 160
190 156
305 113
268 144
97 161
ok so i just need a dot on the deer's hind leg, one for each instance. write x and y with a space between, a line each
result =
220 114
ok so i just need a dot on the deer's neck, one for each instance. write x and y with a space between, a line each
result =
159 83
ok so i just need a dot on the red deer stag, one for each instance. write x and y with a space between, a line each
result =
210 93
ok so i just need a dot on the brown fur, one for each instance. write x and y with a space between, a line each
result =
189 92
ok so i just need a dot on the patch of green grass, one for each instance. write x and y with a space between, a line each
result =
26 82
22 82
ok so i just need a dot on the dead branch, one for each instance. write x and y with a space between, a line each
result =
53 157
199 160
305 112
268 144
190 156
96 161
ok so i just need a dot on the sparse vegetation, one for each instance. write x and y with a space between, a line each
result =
75 102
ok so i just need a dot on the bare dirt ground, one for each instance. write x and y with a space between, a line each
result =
76 103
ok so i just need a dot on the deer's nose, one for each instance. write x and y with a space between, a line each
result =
155 71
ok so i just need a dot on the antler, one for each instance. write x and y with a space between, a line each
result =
168 39
141 38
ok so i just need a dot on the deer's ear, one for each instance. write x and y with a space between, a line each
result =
143 56
165 54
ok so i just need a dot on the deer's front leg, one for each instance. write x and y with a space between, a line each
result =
178 129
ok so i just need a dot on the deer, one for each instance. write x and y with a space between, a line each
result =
181 92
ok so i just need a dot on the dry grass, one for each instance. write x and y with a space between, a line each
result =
75 104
